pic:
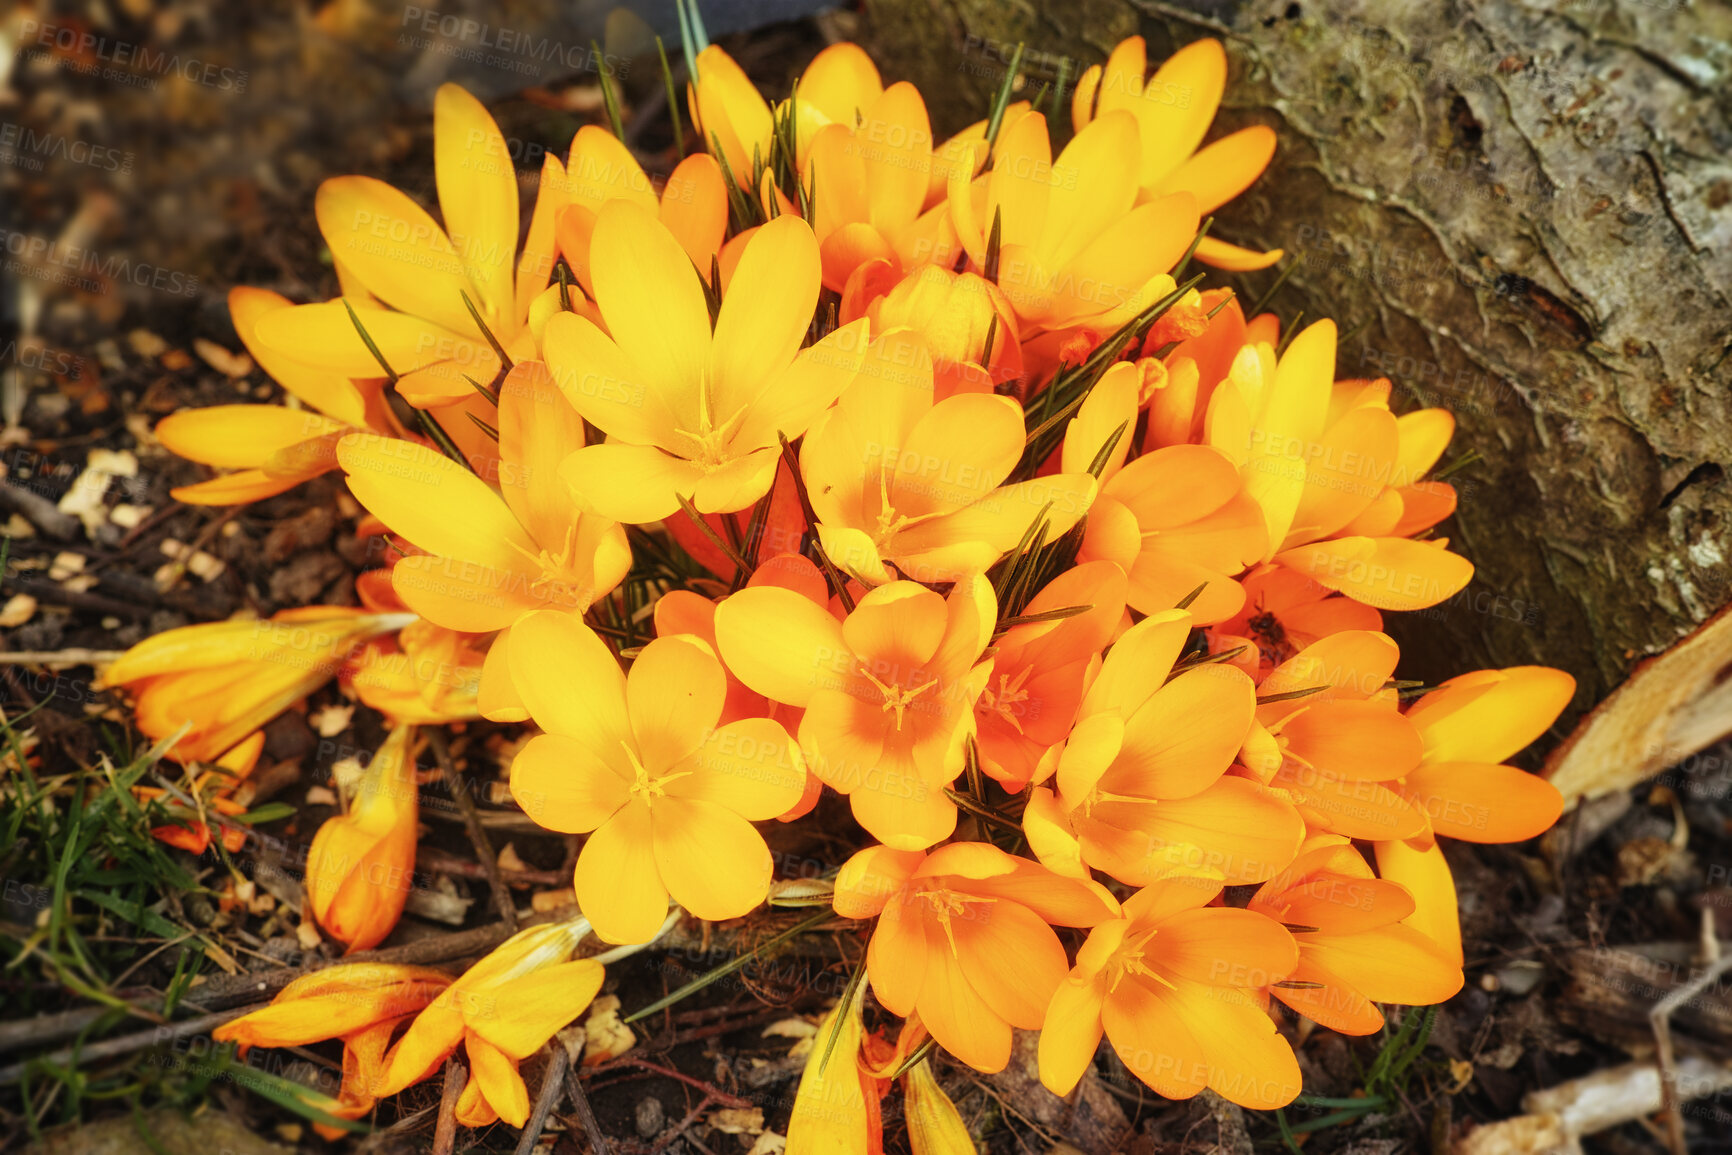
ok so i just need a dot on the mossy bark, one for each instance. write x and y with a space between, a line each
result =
1516 211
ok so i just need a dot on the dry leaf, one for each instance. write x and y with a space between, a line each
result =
792 1028
769 1143
65 565
605 1037
224 362
543 901
129 516
146 344
331 720
738 1120
509 859
19 609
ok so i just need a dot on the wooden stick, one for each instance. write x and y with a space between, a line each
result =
126 1044
1661 1019
472 822
445 1132
597 1141
552 1087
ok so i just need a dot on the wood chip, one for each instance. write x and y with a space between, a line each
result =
229 364
1670 707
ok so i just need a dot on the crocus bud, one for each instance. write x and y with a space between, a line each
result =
361 864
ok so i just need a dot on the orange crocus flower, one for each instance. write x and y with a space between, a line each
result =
361 1003
1075 247
899 478
692 409
425 675
887 694
362 863
1319 460
501 1010
1285 611
1173 985
1352 944
225 680
963 319
868 180
1470 726
1142 782
693 204
1173 111
406 275
1175 520
492 554
639 762
1340 746
964 939
271 448
1040 670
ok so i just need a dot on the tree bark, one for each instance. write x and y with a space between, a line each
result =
1514 211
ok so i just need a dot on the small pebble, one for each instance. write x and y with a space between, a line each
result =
650 1117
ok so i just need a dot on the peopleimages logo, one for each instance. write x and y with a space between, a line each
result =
24 147
496 45
122 61
86 268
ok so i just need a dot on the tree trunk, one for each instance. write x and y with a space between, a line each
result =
1520 214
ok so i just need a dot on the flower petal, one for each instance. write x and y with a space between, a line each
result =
1386 572
765 313
478 198
1011 958
618 878
396 249
1425 873
1071 1033
781 644
653 302
713 862
673 693
1185 736
1153 1042
1225 947
433 502
750 766
571 683
632 484
563 786
954 1011
1484 801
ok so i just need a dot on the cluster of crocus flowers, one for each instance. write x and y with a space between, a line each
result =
916 472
